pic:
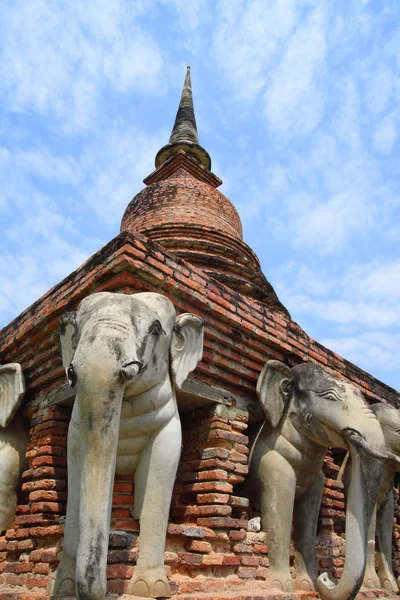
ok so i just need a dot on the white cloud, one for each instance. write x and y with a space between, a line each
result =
57 210
385 135
373 348
374 280
293 97
249 34
328 225
57 61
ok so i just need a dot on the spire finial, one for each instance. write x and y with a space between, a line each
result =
185 129
184 133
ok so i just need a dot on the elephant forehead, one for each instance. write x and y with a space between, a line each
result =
313 377
137 309
387 414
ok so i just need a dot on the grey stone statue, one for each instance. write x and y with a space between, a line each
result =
382 523
14 439
125 354
307 410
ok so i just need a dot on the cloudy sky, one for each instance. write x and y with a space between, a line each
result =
297 103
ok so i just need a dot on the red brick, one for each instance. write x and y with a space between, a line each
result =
128 524
48 531
225 522
22 545
18 580
213 498
212 475
237 535
42 568
231 559
123 499
40 582
123 486
247 572
48 495
18 567
208 486
212 559
221 510
119 571
249 561
240 548
234 479
237 457
17 534
45 555
187 558
196 546
238 501
187 531
47 507
44 484
260 548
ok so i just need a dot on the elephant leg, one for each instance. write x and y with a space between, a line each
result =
384 531
63 580
277 483
305 532
154 481
9 475
371 579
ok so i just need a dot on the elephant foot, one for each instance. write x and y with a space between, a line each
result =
63 581
371 580
149 583
281 580
388 582
305 583
66 587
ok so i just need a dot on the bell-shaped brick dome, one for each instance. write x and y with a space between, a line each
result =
181 209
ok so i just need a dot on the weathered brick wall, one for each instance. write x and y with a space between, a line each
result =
209 548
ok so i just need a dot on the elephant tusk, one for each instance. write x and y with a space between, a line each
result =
130 370
356 439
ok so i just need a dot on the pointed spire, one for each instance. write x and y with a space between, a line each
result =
184 133
185 129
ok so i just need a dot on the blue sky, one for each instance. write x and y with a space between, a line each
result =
297 103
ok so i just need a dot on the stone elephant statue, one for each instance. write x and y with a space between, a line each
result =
307 410
125 354
14 438
381 528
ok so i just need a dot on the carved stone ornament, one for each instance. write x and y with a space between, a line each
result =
12 390
124 355
306 411
13 440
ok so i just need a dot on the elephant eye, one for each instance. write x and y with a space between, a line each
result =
156 329
71 375
331 395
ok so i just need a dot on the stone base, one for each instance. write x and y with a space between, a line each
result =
251 591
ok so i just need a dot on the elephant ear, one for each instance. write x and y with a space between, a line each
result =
67 336
274 389
12 390
186 347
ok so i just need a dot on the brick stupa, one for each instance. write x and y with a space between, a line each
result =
180 237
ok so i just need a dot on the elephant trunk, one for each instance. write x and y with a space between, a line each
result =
99 412
367 467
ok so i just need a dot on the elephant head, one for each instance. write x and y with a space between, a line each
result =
125 355
308 410
381 529
13 439
12 390
389 419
